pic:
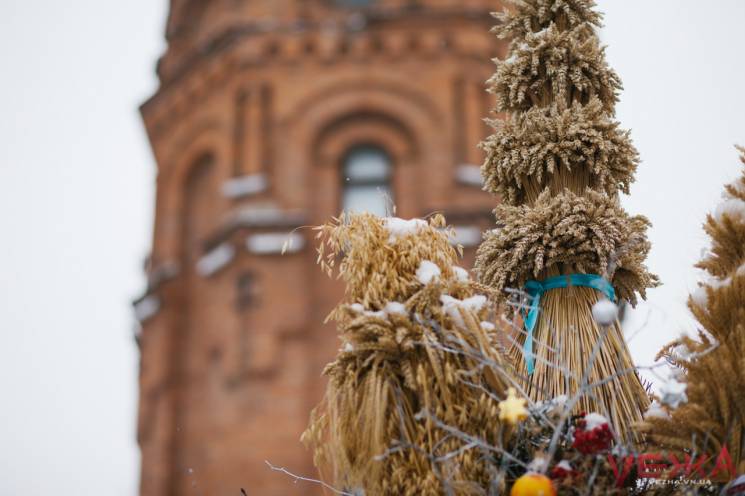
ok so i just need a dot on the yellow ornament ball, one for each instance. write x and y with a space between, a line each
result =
533 485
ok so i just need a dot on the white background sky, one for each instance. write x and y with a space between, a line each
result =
76 199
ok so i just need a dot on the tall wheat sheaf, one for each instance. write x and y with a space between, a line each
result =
714 365
411 370
558 163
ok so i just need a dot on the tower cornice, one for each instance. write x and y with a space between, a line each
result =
263 44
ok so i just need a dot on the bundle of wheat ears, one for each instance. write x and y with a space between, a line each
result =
418 364
422 397
558 163
708 412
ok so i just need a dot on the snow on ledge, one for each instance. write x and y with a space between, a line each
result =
467 236
161 273
239 187
469 175
215 259
266 216
271 243
146 308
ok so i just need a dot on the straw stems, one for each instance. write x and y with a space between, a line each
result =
566 334
565 337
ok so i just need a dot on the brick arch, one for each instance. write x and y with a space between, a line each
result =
188 144
391 88
173 181
394 115
338 139
365 128
197 213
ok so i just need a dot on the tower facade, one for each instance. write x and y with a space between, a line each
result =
272 115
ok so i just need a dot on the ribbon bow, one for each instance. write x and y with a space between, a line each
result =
536 288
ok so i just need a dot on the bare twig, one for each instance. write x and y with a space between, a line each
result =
306 479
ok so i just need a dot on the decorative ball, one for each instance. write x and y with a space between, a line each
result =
605 312
533 485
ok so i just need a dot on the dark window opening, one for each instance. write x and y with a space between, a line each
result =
247 291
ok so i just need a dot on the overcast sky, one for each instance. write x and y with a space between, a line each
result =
76 200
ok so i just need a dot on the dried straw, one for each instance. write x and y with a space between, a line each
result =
566 336
558 162
403 373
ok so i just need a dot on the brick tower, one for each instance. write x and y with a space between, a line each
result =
272 115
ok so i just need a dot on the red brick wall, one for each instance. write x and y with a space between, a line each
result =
231 360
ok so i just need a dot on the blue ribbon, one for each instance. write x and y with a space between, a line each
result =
536 288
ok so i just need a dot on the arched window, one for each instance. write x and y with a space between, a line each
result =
366 176
198 214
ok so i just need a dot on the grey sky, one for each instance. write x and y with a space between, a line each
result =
76 197
680 62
